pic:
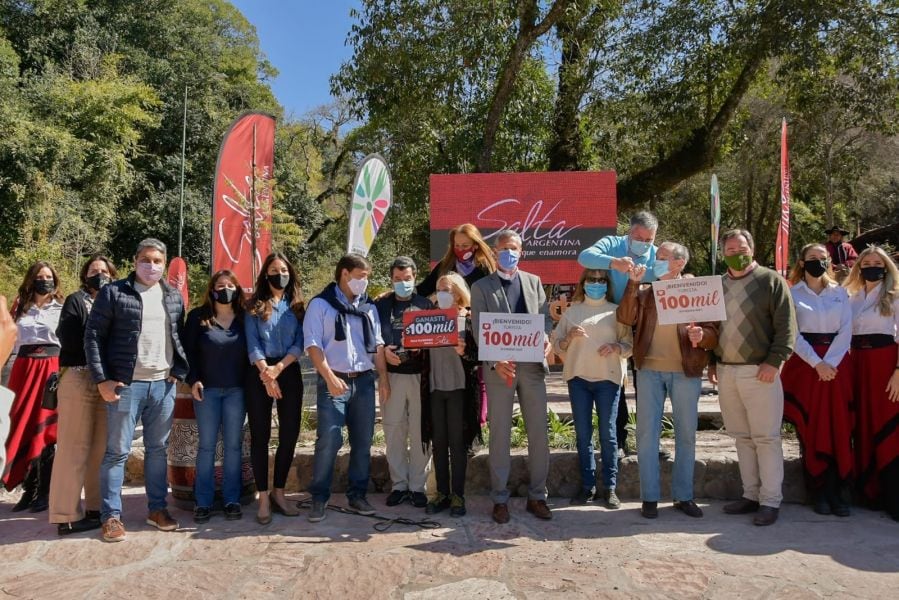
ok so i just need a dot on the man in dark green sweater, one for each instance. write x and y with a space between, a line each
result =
754 341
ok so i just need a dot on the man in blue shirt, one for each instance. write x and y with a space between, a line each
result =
342 335
619 255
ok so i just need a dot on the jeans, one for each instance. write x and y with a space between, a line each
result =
356 409
584 396
221 408
684 392
153 402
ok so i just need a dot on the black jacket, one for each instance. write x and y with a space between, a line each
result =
70 330
429 285
110 339
385 308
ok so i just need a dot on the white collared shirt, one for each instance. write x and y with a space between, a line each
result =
866 317
827 312
38 325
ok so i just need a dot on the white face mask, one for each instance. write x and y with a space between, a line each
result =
445 300
357 286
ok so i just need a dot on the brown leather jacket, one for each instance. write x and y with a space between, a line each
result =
638 308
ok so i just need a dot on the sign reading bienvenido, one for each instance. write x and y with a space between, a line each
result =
556 214
430 328
689 300
516 337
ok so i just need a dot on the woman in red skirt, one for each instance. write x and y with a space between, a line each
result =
873 286
32 431
817 380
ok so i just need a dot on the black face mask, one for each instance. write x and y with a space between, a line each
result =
224 295
873 273
97 281
816 268
279 281
44 286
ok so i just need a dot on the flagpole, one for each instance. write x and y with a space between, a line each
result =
183 155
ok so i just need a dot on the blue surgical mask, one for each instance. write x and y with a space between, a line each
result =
639 248
403 289
508 259
595 291
660 268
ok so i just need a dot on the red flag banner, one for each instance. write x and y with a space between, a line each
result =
177 278
242 198
782 246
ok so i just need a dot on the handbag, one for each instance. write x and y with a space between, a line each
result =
50 400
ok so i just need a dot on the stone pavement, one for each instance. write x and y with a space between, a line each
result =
584 552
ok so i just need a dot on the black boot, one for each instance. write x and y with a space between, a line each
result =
837 493
29 488
41 500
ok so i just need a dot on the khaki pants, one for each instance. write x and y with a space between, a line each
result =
80 447
752 413
401 417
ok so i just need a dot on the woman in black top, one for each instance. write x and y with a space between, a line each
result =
216 347
468 255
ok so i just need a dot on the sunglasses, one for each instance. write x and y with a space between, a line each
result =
595 280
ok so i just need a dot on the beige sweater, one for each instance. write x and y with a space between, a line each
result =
581 357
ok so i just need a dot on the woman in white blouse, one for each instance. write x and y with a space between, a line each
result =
32 432
594 347
873 286
817 380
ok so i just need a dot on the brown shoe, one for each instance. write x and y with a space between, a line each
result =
501 513
539 509
113 530
162 520
767 515
743 506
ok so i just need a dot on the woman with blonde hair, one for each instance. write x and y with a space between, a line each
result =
467 254
873 286
817 380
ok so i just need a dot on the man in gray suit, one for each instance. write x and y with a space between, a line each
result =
510 290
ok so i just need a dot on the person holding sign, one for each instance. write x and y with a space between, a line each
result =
513 291
594 346
817 380
468 255
670 360
407 459
755 340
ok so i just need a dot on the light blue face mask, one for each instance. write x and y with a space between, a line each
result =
660 268
639 248
595 291
403 289
508 259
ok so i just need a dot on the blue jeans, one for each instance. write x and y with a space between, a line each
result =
684 391
221 407
584 396
153 402
356 410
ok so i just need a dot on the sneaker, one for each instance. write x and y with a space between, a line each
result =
201 514
317 512
611 499
650 510
689 508
361 506
457 506
397 497
582 497
162 520
440 503
233 511
418 499
113 530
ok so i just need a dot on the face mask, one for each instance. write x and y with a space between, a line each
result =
873 273
445 300
43 286
463 254
357 286
279 281
738 262
660 268
149 272
640 248
403 289
508 259
595 291
224 295
97 281
816 268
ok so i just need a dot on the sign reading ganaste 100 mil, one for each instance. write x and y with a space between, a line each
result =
556 214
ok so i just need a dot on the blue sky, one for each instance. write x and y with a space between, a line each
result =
304 40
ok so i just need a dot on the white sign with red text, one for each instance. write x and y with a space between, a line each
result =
516 337
690 299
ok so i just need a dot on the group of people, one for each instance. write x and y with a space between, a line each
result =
818 354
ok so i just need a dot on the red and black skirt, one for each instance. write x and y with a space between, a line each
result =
877 433
821 411
31 427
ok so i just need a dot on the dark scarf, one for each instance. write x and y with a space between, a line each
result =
329 295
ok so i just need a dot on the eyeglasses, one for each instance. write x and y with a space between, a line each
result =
595 280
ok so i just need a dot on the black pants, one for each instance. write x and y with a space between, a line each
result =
259 415
448 439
